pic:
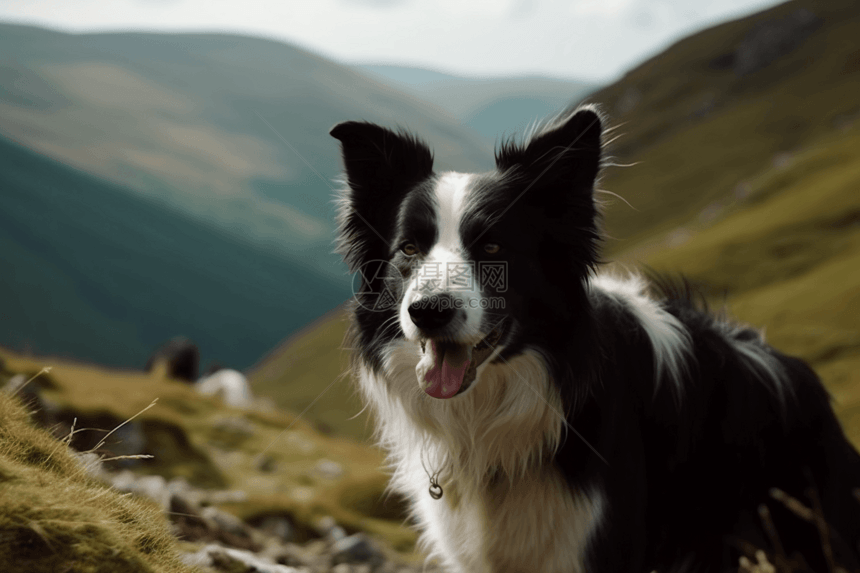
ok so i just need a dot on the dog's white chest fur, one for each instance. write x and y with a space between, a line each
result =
531 522
534 523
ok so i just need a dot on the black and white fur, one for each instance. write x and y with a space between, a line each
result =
617 425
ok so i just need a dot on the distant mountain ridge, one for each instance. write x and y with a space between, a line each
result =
492 106
231 129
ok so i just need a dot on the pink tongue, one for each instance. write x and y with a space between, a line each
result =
445 377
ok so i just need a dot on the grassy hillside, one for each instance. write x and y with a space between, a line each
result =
231 129
489 106
789 258
278 459
747 181
308 373
699 120
94 272
55 517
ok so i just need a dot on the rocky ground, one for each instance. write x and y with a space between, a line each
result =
218 540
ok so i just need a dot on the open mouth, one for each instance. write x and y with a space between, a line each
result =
449 368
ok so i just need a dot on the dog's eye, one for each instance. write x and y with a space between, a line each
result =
409 249
492 248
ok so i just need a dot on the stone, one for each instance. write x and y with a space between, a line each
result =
230 385
154 487
293 555
328 528
227 522
226 559
356 548
188 524
278 526
329 469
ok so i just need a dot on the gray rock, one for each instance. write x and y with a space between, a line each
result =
92 464
225 558
15 384
127 440
154 487
327 527
356 549
221 520
179 486
329 469
187 521
230 385
336 534
277 526
296 556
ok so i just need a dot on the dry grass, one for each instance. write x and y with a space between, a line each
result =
54 517
780 558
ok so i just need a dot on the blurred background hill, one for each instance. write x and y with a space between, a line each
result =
492 107
95 272
201 188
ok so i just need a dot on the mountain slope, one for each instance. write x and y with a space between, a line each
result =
709 112
788 259
226 138
308 372
232 129
94 272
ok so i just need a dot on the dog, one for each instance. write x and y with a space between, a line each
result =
543 415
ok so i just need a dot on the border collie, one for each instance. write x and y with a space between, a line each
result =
542 415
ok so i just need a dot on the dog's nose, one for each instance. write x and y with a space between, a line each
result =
432 312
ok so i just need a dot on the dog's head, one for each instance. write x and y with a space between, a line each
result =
465 270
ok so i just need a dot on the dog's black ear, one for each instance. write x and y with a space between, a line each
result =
381 167
379 161
566 150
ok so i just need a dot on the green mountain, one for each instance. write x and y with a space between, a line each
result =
92 271
491 106
703 117
230 129
743 169
195 195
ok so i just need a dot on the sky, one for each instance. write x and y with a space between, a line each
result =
592 40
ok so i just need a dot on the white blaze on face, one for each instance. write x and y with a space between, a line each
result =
449 365
450 195
446 268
